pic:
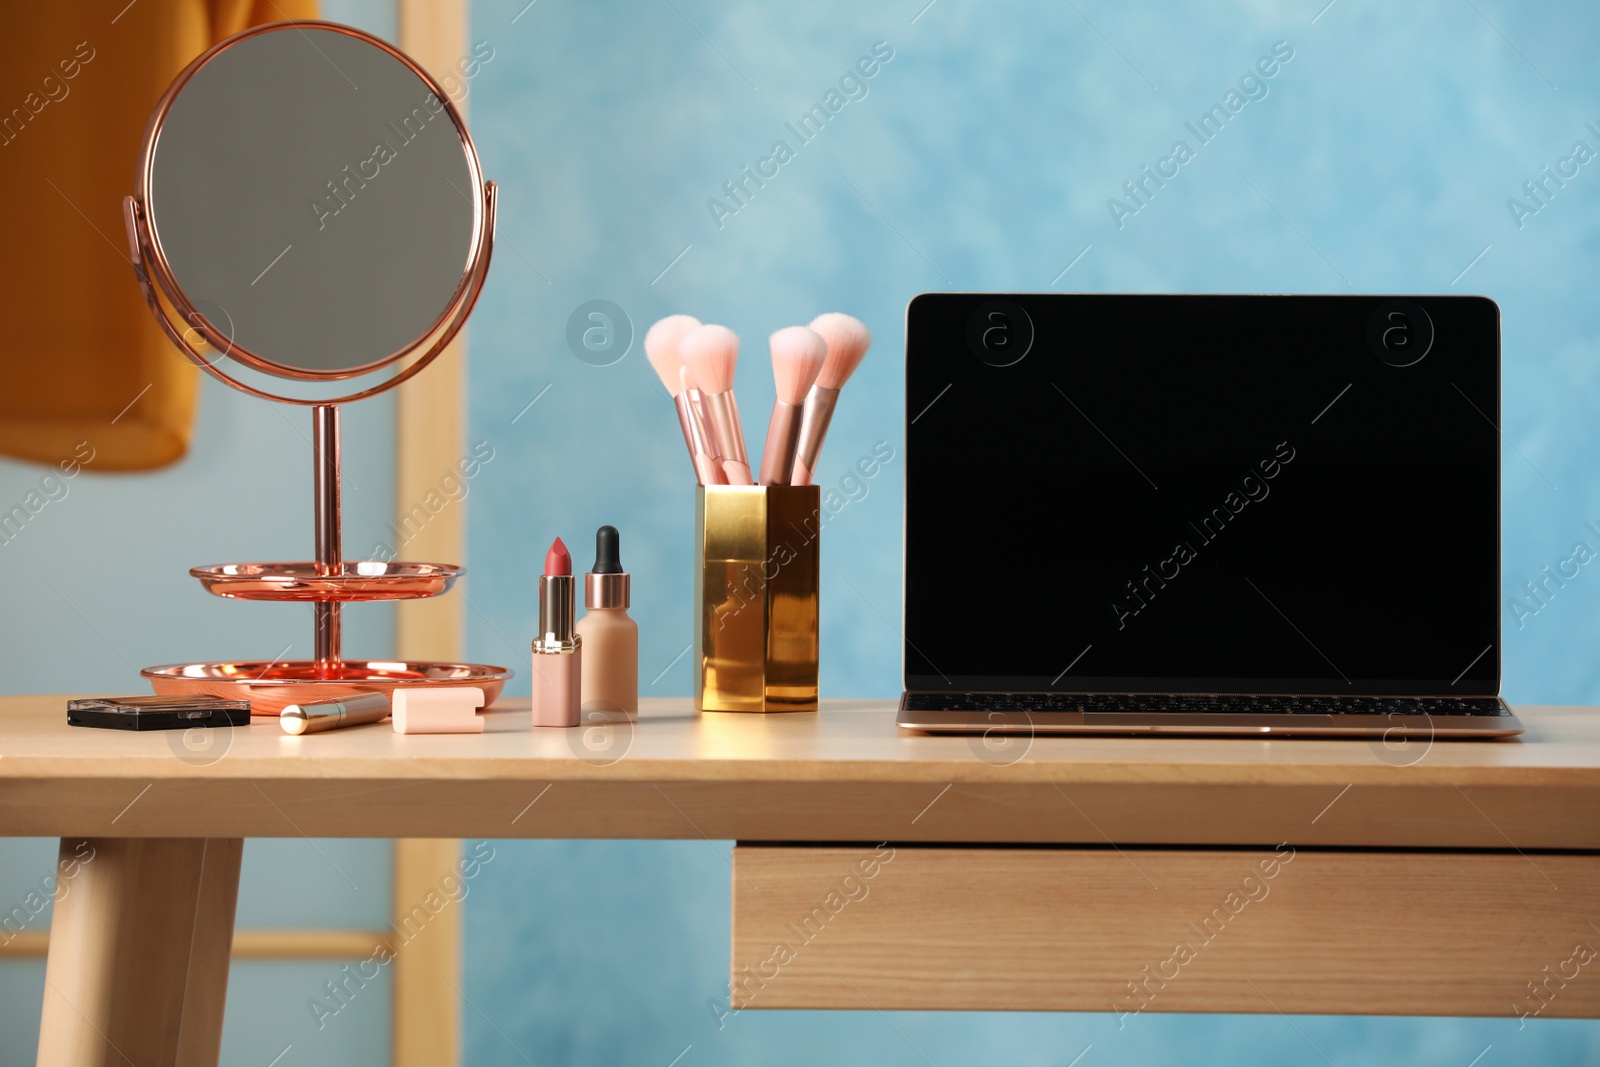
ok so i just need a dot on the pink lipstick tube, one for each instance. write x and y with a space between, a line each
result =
557 653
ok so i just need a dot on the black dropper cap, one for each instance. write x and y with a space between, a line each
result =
607 551
607 585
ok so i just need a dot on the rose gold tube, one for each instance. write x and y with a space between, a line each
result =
722 425
783 439
333 713
707 470
681 402
697 401
330 538
819 407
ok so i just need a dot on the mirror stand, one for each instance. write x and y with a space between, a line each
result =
326 654
214 197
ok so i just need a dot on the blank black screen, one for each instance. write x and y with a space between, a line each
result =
1232 494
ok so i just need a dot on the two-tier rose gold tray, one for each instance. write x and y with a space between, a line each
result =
207 338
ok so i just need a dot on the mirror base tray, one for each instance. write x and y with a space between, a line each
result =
270 687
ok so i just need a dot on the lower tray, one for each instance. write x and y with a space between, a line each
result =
270 687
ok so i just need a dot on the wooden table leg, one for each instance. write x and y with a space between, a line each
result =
139 946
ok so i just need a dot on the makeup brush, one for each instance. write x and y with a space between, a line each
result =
711 354
797 355
847 340
707 460
661 347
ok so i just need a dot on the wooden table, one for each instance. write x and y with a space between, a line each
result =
874 868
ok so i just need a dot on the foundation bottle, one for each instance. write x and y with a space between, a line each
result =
610 638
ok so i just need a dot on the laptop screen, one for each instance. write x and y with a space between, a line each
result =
1215 494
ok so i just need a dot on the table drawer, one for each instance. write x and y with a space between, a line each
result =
1257 930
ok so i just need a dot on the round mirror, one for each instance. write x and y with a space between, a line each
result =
310 206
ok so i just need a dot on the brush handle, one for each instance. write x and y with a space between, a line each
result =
722 425
816 415
707 468
783 438
681 402
697 416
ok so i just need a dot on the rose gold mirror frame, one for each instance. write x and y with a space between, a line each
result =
179 317
161 288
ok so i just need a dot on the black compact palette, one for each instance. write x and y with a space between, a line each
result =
158 712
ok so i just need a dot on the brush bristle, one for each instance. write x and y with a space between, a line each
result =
797 356
712 353
661 347
685 379
847 340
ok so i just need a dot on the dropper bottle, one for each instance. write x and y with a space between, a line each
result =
610 637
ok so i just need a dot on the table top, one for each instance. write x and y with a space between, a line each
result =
845 773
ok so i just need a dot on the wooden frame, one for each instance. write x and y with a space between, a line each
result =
266 944
430 421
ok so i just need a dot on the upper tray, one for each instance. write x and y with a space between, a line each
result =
353 580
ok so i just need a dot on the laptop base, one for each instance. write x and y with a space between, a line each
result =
1009 713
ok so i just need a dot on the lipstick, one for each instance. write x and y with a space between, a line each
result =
558 650
332 714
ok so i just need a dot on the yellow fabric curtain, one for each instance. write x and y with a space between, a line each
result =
81 358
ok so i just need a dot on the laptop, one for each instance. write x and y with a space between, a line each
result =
1237 515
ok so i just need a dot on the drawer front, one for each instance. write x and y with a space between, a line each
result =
1258 930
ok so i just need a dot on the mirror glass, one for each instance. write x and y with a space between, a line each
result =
314 199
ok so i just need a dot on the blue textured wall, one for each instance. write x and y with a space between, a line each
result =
1380 157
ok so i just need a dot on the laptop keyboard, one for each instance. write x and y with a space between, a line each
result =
1180 703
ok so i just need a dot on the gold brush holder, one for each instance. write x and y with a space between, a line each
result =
755 597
